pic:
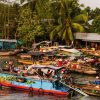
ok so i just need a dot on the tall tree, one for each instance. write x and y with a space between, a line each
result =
29 27
69 21
96 25
8 14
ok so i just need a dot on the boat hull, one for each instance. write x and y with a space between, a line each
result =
34 87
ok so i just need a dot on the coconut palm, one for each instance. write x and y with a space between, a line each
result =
68 23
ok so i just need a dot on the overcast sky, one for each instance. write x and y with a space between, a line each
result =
92 3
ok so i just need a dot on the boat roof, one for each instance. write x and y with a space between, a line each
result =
8 40
89 37
46 67
35 53
25 56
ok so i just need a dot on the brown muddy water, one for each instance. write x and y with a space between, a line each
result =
8 94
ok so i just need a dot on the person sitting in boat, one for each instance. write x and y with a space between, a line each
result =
40 72
22 80
68 79
11 65
97 81
49 73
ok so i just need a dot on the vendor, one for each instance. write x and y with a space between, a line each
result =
23 80
49 73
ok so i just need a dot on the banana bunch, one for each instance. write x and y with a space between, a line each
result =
30 82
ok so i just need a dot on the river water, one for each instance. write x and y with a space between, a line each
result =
8 94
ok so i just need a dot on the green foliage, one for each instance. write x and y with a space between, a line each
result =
70 20
8 78
14 78
29 82
8 20
96 25
81 18
46 19
78 27
28 26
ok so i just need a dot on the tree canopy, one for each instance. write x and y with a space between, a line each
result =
96 25
39 20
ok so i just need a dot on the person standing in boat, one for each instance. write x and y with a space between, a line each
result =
11 65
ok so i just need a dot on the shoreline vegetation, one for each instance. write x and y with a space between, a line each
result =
47 20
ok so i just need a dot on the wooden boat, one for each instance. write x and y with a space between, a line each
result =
29 60
91 89
91 52
32 85
84 69
89 72
25 59
90 92
10 53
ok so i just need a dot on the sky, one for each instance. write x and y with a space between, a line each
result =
92 3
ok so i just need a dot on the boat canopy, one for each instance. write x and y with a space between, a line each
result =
7 44
46 67
36 53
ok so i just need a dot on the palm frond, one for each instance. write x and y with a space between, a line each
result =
81 17
78 27
61 31
70 34
64 35
52 34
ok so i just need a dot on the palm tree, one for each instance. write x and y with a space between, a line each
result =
68 23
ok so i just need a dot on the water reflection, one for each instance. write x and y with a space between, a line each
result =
87 98
15 95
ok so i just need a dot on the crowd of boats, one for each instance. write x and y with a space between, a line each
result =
48 71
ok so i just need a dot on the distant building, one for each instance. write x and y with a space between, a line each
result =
6 44
88 39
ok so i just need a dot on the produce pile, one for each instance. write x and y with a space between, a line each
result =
14 78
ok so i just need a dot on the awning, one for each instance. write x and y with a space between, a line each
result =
46 67
91 37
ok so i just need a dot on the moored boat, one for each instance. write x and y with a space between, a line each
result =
33 85
11 52
92 92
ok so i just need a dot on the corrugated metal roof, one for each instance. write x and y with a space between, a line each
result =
8 40
92 37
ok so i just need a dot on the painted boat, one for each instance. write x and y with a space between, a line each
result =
31 85
29 62
27 59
